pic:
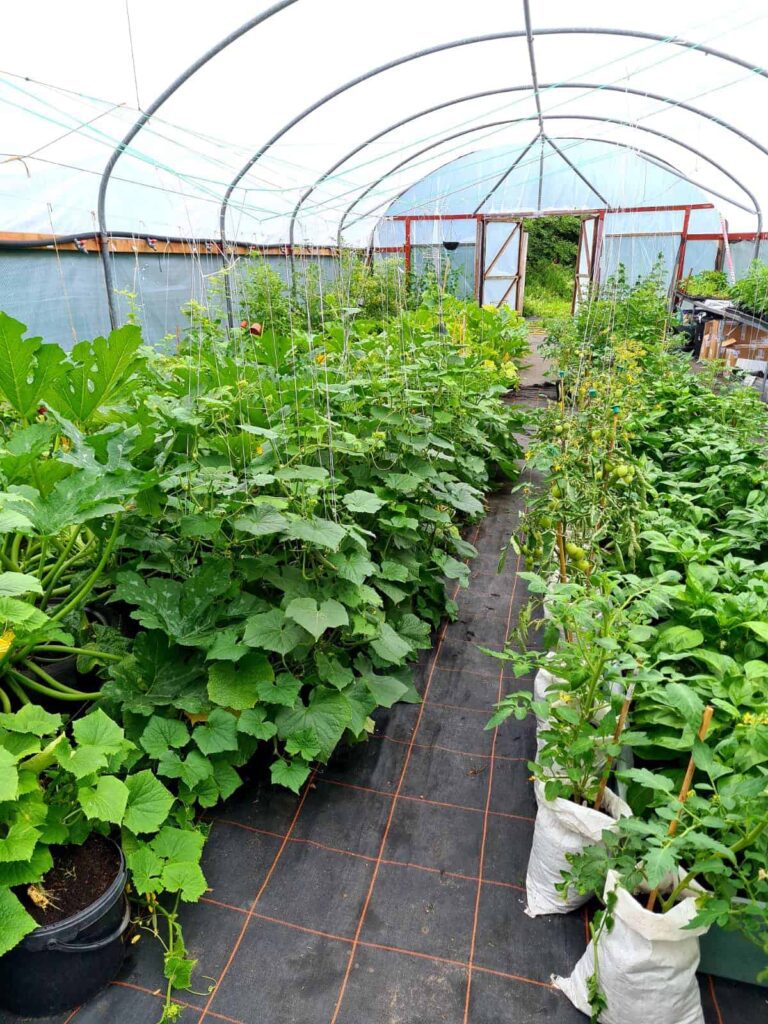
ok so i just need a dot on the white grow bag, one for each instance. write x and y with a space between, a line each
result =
563 827
646 964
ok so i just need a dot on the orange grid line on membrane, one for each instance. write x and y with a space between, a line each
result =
486 677
447 750
432 869
238 941
158 994
454 707
383 947
394 798
715 1003
486 815
424 800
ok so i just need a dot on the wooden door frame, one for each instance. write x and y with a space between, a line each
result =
483 272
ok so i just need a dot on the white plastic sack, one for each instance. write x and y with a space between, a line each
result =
646 965
563 827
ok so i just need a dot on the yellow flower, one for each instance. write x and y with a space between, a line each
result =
5 641
259 449
320 359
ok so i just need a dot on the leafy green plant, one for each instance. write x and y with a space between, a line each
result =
599 658
60 784
654 484
271 519
67 481
295 559
751 291
706 284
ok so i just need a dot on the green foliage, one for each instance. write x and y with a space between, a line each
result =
655 478
706 284
553 244
58 784
751 292
275 514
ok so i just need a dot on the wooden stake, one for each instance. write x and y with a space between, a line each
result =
706 719
614 428
616 736
561 553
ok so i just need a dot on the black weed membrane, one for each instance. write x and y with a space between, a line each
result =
392 890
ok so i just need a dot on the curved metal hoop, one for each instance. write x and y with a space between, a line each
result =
454 44
281 5
511 89
142 119
567 117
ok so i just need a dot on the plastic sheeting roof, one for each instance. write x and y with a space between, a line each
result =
104 62
562 174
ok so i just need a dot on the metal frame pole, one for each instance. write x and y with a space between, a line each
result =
567 117
139 123
597 87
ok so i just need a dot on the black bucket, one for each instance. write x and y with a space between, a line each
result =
60 966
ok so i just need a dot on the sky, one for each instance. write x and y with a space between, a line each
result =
74 76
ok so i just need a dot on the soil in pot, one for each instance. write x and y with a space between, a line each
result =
78 947
80 875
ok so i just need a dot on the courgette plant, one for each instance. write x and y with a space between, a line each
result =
67 480
292 558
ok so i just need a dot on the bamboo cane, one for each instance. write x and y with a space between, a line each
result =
561 553
614 428
616 736
706 719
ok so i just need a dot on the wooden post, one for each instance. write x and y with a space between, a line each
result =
561 553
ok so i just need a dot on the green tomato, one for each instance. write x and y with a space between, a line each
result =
574 550
583 565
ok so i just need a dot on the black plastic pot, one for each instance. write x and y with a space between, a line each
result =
60 966
64 669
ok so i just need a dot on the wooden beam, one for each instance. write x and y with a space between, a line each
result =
142 246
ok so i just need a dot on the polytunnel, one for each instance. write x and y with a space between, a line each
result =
337 128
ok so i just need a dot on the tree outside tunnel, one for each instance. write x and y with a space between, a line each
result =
553 244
